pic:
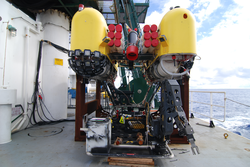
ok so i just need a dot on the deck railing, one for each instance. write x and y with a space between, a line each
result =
209 104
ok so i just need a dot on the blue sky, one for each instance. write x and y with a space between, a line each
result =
223 40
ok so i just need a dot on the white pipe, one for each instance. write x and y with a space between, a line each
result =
170 73
5 55
26 71
25 80
16 124
21 124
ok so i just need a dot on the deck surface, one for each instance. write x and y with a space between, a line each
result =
60 149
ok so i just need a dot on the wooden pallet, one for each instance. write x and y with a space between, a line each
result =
132 162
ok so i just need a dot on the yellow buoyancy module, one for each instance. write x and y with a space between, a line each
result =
88 30
177 33
89 50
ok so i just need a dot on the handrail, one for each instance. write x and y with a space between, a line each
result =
210 104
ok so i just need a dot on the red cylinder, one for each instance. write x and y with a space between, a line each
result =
118 28
132 52
111 27
147 43
146 28
118 43
147 35
118 35
111 34
153 28
154 35
111 43
154 42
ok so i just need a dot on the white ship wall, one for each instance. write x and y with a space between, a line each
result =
20 55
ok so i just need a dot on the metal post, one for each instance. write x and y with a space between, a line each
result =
192 102
211 110
211 106
225 106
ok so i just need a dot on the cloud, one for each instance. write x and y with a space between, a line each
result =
203 9
225 52
163 7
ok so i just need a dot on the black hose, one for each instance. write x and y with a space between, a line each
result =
37 81
43 111
36 91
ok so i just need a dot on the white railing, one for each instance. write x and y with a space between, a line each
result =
209 104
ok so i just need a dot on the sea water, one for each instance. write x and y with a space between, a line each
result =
237 115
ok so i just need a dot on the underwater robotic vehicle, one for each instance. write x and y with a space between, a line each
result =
159 57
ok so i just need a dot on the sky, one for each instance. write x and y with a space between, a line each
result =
223 40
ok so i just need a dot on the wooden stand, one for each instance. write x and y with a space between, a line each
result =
83 108
132 162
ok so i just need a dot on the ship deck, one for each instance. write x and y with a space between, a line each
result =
54 146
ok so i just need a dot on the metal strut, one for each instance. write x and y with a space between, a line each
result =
171 108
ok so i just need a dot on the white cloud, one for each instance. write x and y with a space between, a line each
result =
226 50
156 16
207 7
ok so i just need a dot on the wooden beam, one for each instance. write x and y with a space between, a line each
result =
98 98
80 108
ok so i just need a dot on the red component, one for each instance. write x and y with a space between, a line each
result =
135 29
111 27
185 15
147 35
117 142
130 154
146 28
153 28
173 57
118 35
111 43
117 114
129 30
132 53
111 34
143 113
40 97
154 35
118 28
81 7
147 43
118 43
154 42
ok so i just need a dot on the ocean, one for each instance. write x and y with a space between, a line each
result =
237 115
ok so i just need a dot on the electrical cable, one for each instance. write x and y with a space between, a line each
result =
37 87
37 81
43 111
47 110
39 113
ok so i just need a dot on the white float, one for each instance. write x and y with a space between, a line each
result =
7 99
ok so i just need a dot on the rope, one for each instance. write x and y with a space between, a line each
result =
238 102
